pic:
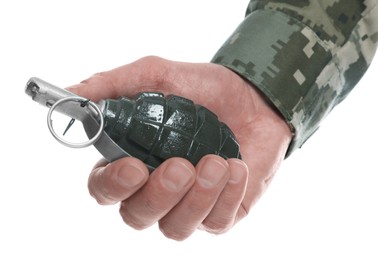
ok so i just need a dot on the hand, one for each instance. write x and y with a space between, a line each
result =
216 193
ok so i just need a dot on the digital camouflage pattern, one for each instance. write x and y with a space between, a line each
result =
305 56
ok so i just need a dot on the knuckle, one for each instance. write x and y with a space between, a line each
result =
97 77
102 196
218 225
244 210
92 186
152 60
132 220
100 80
153 206
142 217
198 208
174 232
158 69
98 189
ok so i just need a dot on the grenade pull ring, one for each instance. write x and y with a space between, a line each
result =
83 103
78 108
151 127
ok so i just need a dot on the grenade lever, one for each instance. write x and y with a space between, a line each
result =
150 126
60 100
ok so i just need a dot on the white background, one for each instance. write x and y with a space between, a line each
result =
321 205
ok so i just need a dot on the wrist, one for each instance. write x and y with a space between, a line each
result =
268 114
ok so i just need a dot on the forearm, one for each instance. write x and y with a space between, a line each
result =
305 58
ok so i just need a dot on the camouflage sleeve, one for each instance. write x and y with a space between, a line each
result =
304 55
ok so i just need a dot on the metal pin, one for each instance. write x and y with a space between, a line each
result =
84 102
72 121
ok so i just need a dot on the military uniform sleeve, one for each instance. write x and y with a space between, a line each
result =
304 56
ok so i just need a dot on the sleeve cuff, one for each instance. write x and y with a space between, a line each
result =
283 58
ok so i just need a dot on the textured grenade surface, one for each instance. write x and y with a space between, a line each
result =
154 128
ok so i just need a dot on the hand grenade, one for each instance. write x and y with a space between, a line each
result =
150 127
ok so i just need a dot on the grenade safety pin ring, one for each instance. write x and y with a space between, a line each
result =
84 102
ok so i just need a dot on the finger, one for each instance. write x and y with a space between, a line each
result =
116 181
184 219
167 185
222 216
145 74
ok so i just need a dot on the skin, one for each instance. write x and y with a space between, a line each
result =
216 193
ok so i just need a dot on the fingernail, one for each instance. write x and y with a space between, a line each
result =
73 87
176 176
212 173
238 170
130 176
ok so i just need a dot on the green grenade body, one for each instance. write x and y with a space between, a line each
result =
153 128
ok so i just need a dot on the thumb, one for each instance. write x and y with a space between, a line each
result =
96 87
145 74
